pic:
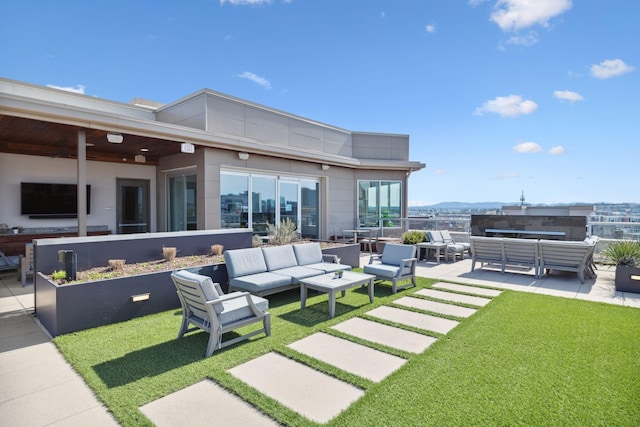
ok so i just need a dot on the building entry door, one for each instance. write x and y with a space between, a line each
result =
132 206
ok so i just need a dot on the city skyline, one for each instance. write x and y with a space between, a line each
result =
498 96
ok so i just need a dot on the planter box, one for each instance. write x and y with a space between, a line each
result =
348 254
627 279
69 308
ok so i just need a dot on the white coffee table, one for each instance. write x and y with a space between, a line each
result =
329 284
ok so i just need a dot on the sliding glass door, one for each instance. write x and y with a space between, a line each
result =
182 212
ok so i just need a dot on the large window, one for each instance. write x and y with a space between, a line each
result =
379 203
273 199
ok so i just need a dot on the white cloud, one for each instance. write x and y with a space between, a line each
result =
567 95
557 150
431 28
245 2
513 15
476 2
383 15
440 171
526 40
610 68
507 106
261 81
527 147
508 175
76 89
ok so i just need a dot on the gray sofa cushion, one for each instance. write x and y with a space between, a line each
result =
260 282
298 272
241 262
279 257
328 267
308 253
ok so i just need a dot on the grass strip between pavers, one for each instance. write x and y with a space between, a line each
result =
523 359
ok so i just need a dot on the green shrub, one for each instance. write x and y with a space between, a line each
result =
414 237
623 252
59 275
284 234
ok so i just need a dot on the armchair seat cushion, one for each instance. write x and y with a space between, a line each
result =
237 309
260 282
382 270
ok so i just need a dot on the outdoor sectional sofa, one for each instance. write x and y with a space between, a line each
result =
264 271
540 254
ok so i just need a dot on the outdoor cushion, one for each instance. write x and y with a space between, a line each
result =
308 253
328 267
383 270
297 272
241 262
260 282
393 254
211 291
278 257
237 309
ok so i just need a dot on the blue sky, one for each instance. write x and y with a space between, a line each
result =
498 96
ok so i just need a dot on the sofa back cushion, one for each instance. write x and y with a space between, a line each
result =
242 262
308 253
278 257
393 254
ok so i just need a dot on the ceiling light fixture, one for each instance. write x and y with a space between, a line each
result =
325 167
243 156
115 138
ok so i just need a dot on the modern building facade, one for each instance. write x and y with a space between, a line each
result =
206 161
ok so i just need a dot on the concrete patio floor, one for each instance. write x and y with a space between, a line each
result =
39 388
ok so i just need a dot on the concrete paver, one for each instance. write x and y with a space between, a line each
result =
355 358
435 307
416 320
289 382
449 296
204 403
467 289
390 336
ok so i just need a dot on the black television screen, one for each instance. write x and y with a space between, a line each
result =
42 200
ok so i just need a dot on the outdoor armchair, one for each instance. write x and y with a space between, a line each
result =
206 307
397 263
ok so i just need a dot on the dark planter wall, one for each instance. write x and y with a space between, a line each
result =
348 254
624 281
68 308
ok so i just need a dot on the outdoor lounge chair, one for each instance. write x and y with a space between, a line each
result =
206 307
371 241
448 239
454 250
397 263
567 256
8 262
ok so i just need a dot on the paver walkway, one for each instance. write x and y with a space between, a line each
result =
296 386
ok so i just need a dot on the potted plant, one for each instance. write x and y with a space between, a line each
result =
338 274
625 254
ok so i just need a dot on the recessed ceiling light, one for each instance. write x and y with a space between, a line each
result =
144 149
90 144
114 138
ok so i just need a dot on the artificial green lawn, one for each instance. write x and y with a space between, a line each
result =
524 359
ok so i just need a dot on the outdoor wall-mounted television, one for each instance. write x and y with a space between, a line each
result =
43 200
